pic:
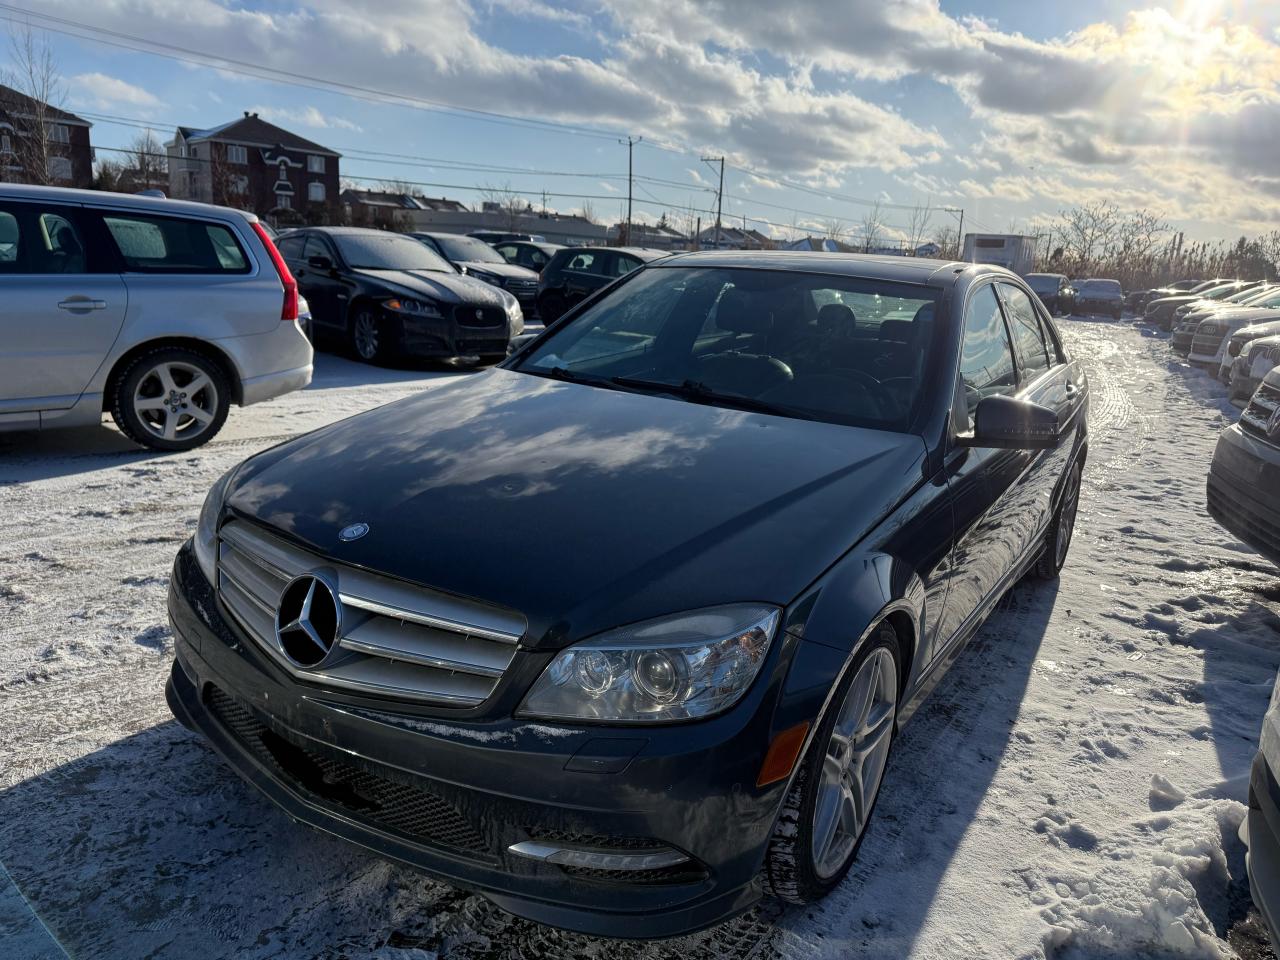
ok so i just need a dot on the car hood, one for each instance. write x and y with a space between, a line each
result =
1256 331
511 270
580 507
444 287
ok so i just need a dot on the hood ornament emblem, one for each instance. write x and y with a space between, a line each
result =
479 314
353 531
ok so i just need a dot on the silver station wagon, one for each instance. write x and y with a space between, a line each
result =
160 312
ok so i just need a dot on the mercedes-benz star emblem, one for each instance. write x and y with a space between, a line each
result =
308 620
353 532
479 314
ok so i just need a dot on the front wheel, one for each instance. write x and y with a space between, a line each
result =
171 398
369 335
825 815
1057 538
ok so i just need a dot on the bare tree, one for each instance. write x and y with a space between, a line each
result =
1090 230
587 211
918 226
31 108
148 163
871 227
832 228
505 201
948 240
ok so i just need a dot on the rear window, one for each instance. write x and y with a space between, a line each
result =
172 245
1099 286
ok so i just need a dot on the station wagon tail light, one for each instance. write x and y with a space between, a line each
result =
682 667
289 311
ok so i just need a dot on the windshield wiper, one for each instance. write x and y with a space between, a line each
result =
698 392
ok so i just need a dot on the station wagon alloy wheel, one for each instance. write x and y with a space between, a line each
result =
176 401
854 763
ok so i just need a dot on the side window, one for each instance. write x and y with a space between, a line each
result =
1028 338
583 263
624 266
508 252
169 245
986 359
58 248
10 237
316 248
291 247
538 259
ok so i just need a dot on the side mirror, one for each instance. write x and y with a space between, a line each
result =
320 262
1011 424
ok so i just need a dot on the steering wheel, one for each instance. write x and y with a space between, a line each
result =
820 382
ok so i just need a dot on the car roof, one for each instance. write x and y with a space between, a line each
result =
870 266
131 201
1056 276
348 231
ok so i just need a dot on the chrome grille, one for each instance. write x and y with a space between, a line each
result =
1207 340
1257 415
395 639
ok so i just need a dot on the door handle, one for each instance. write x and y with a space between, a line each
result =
81 304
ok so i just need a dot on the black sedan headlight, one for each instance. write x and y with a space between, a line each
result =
682 667
206 538
413 308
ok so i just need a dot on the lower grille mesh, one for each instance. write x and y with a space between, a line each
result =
376 798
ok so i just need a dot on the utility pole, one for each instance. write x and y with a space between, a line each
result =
719 193
630 142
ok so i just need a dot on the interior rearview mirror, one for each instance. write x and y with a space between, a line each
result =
1012 424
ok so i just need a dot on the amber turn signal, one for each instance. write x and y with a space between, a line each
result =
782 755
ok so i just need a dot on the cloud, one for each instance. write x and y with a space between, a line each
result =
106 92
307 116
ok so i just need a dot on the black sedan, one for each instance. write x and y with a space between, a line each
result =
622 632
383 295
1161 311
1099 296
475 258
1054 290
575 273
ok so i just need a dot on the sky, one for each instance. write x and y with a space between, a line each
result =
1007 109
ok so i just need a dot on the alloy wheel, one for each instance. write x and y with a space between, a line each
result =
365 335
1067 519
176 401
854 763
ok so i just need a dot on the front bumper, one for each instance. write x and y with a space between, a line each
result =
450 797
1086 308
1262 825
443 338
1244 490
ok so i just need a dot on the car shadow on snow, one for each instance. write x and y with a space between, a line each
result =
152 846
942 768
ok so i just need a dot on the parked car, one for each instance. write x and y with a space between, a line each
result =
1161 311
757 503
575 273
1261 828
1256 329
475 258
1257 358
1137 300
1054 290
384 296
531 256
498 236
1097 296
1213 335
1244 478
160 312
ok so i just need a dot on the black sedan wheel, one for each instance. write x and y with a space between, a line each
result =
1057 540
826 813
369 336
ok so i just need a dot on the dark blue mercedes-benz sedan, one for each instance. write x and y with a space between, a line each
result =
621 632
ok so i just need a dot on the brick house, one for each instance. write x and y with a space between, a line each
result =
254 165
68 156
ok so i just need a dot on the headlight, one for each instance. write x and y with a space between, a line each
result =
680 667
413 308
206 539
486 277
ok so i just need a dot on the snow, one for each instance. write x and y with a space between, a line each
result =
1073 788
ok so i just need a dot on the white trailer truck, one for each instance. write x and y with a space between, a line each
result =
1011 250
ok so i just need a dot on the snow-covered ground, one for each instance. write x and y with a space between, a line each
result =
1072 790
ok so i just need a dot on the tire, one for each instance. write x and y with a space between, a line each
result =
370 337
154 405
792 871
551 307
1057 539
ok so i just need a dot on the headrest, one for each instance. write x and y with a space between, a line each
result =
836 319
742 311
899 331
8 229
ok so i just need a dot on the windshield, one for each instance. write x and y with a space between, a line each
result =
388 251
1252 295
1222 292
468 249
839 349
1094 287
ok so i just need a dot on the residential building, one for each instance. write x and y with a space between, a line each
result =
65 151
410 212
255 165
733 238
653 236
